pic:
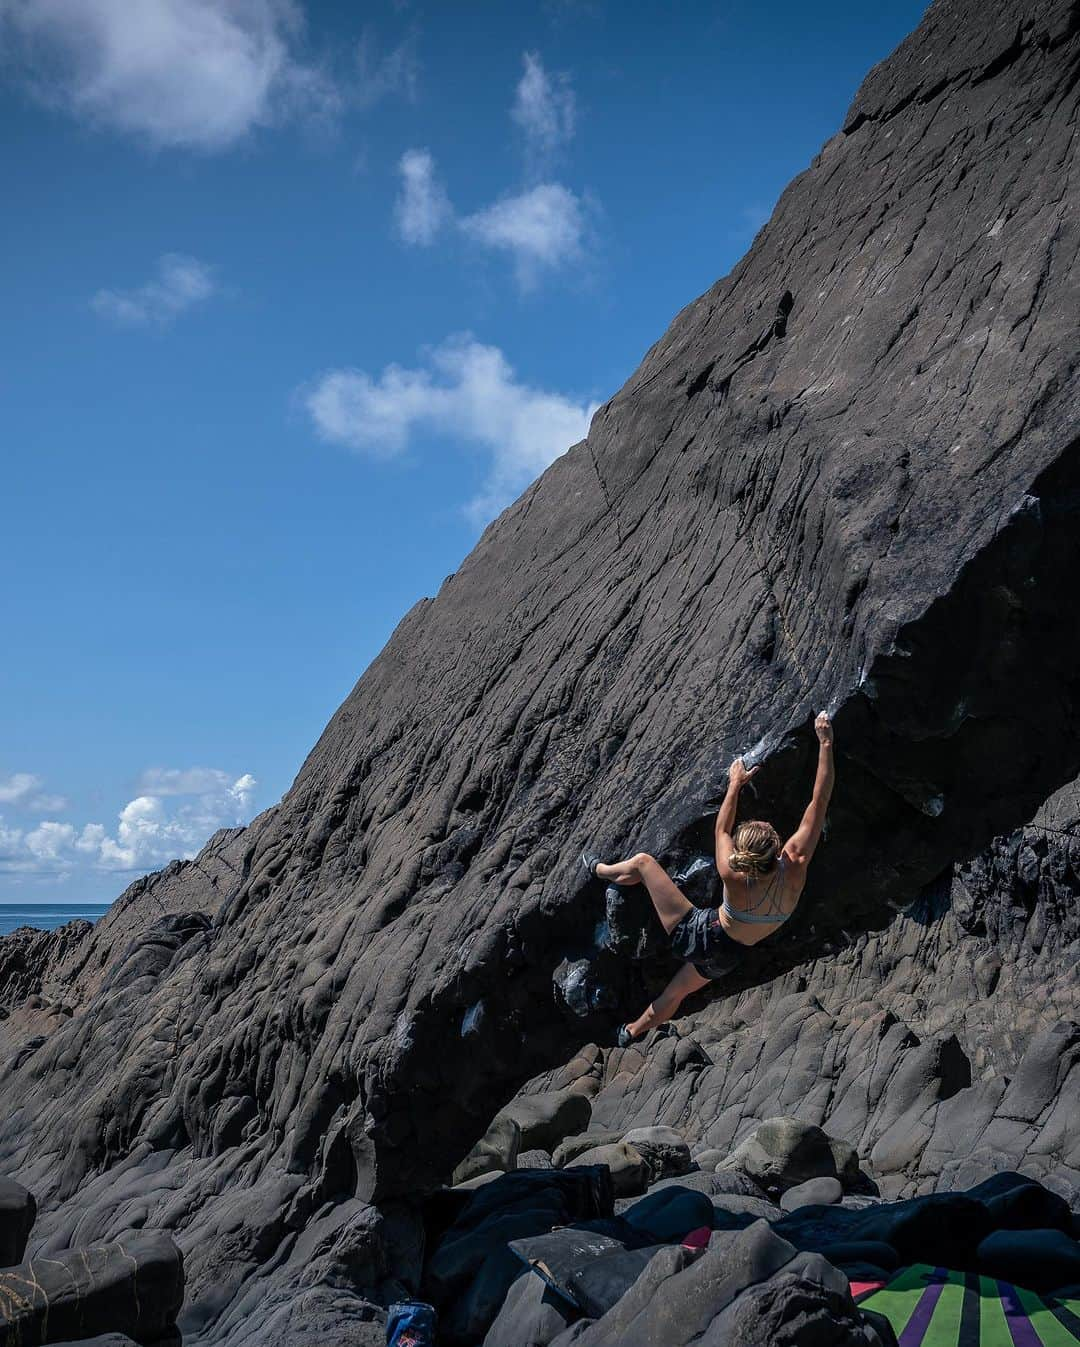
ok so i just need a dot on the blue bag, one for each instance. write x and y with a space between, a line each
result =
410 1323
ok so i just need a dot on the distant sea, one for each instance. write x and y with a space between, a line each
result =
47 916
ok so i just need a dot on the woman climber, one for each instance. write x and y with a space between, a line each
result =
762 884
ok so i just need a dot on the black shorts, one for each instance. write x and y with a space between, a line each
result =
701 940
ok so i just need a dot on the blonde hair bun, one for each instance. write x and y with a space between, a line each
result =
756 848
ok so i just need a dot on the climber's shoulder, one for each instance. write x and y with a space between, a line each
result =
795 858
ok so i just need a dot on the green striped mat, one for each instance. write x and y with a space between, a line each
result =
933 1307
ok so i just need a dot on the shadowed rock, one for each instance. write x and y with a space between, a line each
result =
17 1212
133 1286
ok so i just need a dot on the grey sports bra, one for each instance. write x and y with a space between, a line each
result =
772 916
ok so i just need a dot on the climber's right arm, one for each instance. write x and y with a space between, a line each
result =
802 843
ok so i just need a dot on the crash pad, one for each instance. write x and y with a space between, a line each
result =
936 1307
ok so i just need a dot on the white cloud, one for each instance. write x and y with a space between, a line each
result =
542 229
23 790
468 392
422 207
545 109
18 788
180 283
48 840
149 832
198 74
11 840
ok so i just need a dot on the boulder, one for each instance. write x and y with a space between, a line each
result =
531 1315
846 1160
807 1304
681 1298
709 1158
567 1151
17 1212
663 1149
782 1152
132 1286
535 1159
812 1193
496 1151
735 1183
546 1119
629 1170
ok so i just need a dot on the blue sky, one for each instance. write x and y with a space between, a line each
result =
296 297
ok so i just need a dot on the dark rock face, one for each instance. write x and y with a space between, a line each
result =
848 475
28 955
134 1286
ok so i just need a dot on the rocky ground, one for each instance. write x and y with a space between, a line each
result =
848 475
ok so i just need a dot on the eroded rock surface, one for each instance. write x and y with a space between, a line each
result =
848 475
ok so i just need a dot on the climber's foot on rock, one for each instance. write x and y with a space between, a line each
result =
590 861
623 1037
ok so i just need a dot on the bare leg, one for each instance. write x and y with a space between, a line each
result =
622 872
685 981
669 900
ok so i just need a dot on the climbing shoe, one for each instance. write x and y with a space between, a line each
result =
623 1037
590 862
